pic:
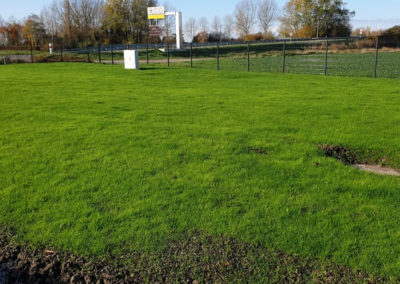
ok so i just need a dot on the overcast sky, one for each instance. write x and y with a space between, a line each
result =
374 13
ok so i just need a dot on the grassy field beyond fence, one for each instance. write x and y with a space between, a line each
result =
353 57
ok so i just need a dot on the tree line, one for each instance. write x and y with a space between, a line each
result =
298 19
80 22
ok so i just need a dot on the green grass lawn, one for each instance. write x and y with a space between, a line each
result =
94 158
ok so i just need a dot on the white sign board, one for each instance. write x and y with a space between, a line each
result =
156 13
131 59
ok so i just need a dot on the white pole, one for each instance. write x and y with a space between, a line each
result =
179 36
178 28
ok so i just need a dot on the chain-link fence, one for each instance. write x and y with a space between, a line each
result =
364 57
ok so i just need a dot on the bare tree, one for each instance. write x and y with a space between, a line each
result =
86 16
245 16
64 14
217 27
169 23
191 28
49 18
267 13
98 13
229 26
203 23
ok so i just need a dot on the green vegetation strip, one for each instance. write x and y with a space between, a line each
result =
95 160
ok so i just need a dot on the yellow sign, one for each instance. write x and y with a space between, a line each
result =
156 13
156 17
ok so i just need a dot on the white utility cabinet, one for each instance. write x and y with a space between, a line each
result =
131 59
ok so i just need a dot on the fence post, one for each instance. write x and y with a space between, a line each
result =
191 54
248 56
284 57
62 51
168 53
147 53
376 58
99 50
31 52
88 52
326 57
112 54
217 56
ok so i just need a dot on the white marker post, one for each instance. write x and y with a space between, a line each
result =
51 48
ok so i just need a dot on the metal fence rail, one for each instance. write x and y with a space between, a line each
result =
354 56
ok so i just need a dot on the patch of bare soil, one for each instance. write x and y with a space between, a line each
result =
343 154
257 150
348 157
376 169
196 258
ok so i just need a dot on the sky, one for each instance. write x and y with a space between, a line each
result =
377 14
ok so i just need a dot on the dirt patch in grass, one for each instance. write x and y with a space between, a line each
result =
348 157
340 153
197 258
258 150
376 169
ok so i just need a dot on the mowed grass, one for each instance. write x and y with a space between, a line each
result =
96 159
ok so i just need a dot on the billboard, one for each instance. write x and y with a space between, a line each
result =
156 13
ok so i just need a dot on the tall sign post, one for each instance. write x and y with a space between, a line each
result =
158 13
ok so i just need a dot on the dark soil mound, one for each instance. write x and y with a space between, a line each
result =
340 153
198 258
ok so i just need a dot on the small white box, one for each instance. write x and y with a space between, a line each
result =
131 59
